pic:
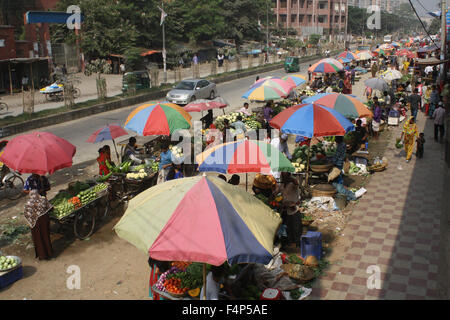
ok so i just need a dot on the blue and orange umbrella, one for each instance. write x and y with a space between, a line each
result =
161 118
347 105
297 79
348 55
270 88
312 120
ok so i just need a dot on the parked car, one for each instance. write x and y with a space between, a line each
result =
137 79
192 89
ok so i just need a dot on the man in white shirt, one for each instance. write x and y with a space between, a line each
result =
428 70
280 143
439 119
245 109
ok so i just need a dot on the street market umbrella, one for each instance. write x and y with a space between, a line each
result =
391 74
327 65
395 44
261 92
297 79
38 152
275 82
364 55
311 120
205 104
347 105
344 60
108 132
379 51
406 53
162 118
348 55
244 156
376 84
200 219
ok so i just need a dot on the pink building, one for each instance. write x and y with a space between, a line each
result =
311 16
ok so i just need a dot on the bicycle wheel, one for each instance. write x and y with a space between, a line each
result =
14 187
3 106
84 224
76 93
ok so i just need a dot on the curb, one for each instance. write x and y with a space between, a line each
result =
16 128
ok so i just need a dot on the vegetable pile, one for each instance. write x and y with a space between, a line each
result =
7 263
250 122
136 176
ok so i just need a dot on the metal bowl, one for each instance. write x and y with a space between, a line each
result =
18 260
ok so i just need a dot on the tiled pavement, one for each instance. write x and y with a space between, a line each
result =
395 226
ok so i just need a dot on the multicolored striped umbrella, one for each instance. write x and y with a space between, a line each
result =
328 65
396 44
200 219
348 55
364 55
379 51
108 132
161 118
297 79
312 120
346 105
344 60
268 89
244 156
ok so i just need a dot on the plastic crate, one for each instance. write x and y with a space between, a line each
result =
7 278
311 244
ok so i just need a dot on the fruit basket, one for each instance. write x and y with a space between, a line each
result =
377 167
323 190
298 272
307 222
17 262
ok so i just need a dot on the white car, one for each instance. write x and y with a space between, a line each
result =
190 90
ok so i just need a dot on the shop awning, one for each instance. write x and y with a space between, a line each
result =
430 62
116 55
25 60
149 52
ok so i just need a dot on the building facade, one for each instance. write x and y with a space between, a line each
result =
385 5
327 17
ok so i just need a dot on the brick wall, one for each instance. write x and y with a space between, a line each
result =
8 48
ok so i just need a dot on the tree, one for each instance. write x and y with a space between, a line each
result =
133 58
435 26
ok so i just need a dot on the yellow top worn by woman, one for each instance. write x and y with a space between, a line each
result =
410 132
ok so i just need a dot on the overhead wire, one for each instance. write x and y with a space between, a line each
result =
421 22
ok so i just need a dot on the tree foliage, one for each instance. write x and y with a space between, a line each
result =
113 26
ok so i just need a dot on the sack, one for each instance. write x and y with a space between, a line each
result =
346 166
398 143
336 172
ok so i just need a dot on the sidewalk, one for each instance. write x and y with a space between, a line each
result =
395 226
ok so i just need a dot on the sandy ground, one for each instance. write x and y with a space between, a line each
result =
110 267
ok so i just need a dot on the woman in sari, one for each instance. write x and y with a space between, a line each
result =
410 132
36 214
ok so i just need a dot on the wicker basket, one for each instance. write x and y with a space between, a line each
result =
321 167
323 190
378 168
306 274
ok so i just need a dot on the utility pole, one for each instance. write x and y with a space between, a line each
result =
267 26
346 23
443 36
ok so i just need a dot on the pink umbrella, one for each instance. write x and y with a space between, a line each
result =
204 105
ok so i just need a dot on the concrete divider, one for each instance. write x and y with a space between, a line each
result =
16 128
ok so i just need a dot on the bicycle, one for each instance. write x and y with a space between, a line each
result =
12 185
3 106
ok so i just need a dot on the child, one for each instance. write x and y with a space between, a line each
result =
420 142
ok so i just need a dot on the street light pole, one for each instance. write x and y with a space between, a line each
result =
164 42
267 26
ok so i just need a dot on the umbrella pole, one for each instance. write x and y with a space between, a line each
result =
117 153
246 181
204 281
307 165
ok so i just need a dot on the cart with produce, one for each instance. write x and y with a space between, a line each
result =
80 206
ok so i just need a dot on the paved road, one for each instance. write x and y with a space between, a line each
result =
78 131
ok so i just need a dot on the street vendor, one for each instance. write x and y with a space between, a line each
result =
338 161
268 111
131 151
240 128
361 136
214 279
165 162
104 155
37 182
264 185
245 109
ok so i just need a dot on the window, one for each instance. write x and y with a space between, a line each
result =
283 17
283 3
309 18
203 84
2 42
293 18
293 3
300 18
336 19
323 5
302 3
322 19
